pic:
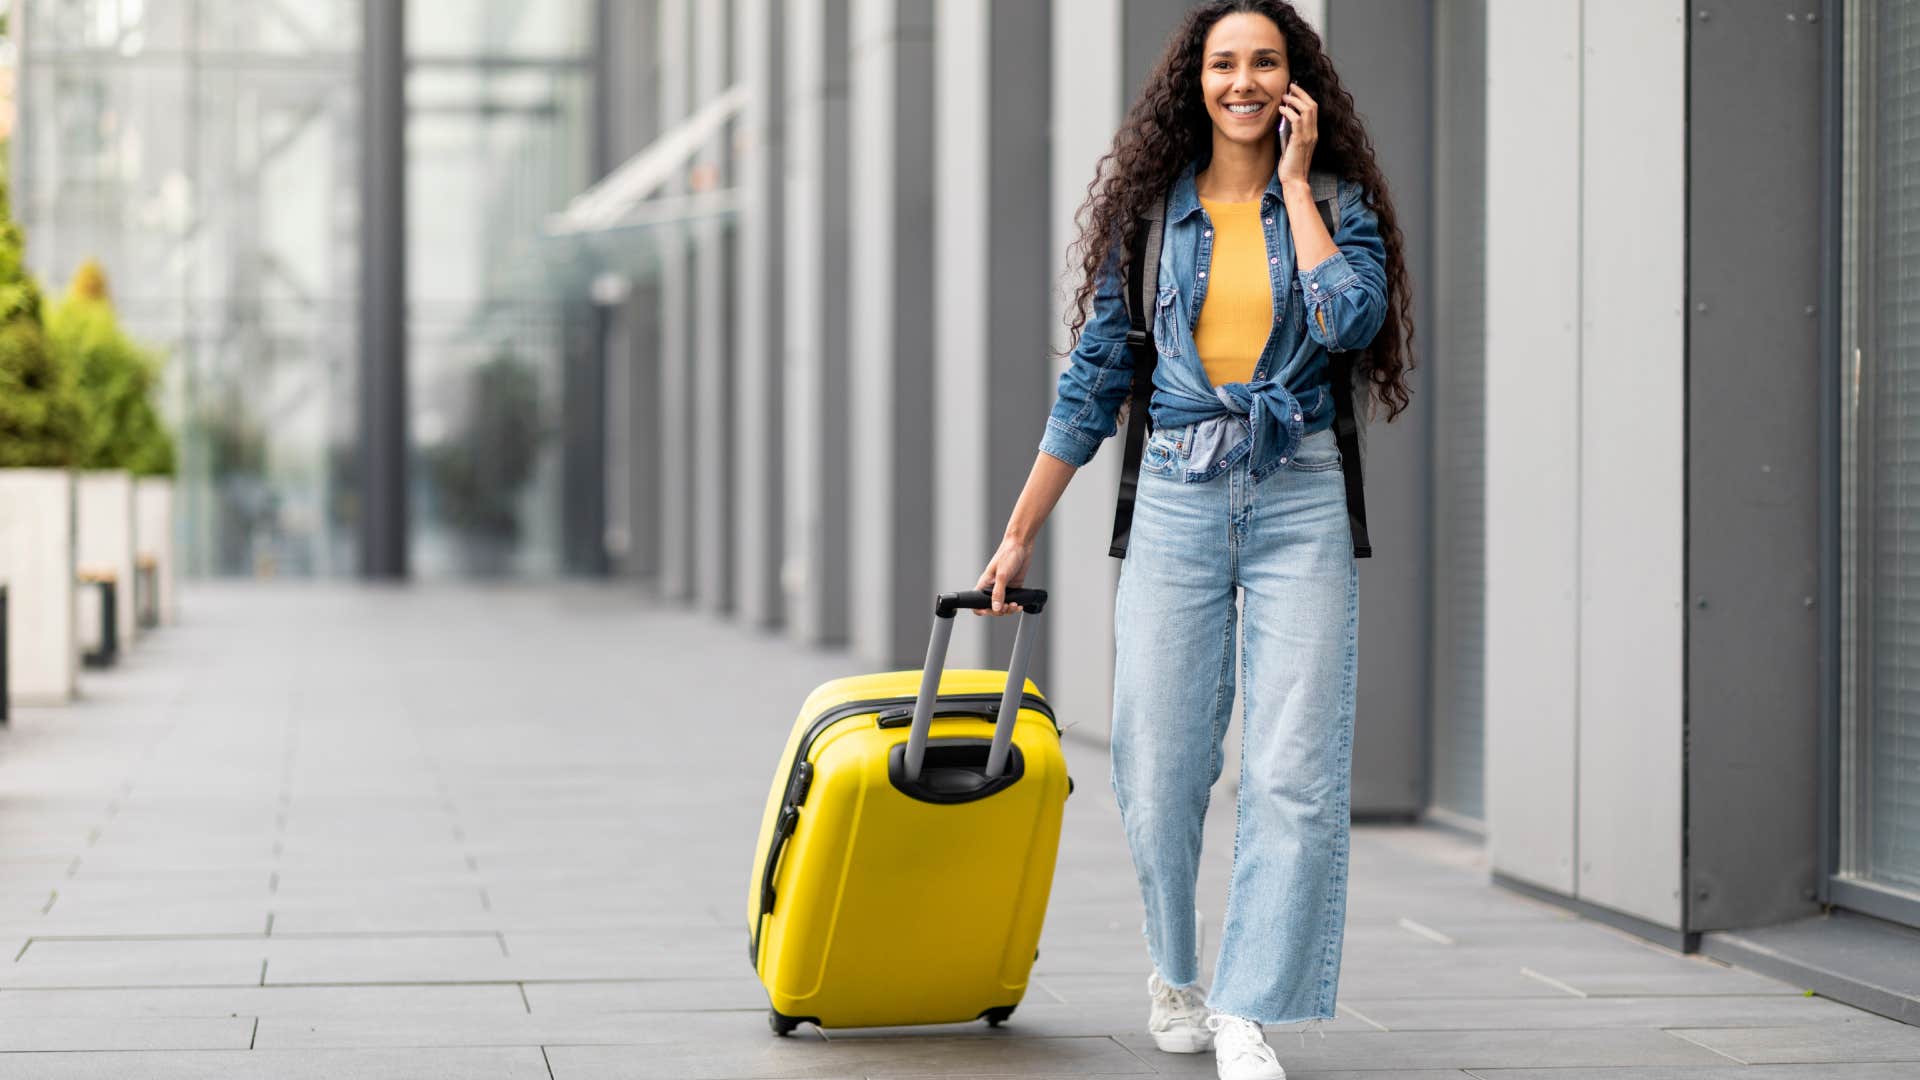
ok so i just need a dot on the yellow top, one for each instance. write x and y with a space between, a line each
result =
1238 313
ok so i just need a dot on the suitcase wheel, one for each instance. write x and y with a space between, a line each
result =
783 1025
997 1016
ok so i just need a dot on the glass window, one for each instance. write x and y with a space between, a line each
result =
206 155
1880 459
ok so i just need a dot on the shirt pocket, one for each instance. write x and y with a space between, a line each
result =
1169 328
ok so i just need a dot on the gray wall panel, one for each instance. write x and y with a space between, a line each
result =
1753 462
1088 99
993 389
1632 492
890 295
1533 437
760 291
712 438
631 101
814 341
673 406
1383 51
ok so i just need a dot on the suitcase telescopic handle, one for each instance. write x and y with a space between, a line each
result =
1032 602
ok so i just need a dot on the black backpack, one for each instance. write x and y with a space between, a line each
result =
1142 282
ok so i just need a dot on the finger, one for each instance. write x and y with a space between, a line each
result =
1292 115
999 593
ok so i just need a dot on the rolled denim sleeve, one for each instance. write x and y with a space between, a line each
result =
1097 378
1346 293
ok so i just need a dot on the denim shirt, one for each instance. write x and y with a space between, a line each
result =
1339 304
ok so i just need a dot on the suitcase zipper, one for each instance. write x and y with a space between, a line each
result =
800 779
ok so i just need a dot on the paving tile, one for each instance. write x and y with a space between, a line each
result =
1475 1049
1415 1014
1700 1073
741 992
120 1033
461 1029
775 1058
514 1063
315 1001
1859 1038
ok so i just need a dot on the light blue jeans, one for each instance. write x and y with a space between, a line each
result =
1285 543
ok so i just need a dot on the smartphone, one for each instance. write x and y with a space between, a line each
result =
1286 130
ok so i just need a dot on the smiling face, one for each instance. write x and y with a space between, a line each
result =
1243 76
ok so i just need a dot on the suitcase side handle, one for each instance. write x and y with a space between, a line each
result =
1032 602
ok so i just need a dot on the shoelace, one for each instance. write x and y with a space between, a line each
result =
1185 1001
1239 1038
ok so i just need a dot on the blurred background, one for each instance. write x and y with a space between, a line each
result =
746 305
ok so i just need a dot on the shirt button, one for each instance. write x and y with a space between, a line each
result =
1269 221
1209 232
1297 416
1273 261
1203 273
1283 461
1315 286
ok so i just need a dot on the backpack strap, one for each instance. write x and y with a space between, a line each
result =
1342 374
1142 288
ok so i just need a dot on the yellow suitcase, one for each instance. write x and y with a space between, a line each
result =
908 844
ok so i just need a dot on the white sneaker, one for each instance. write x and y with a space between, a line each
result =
1178 1022
1240 1050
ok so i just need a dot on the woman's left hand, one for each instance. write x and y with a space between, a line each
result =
1303 115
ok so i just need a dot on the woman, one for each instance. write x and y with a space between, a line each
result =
1240 488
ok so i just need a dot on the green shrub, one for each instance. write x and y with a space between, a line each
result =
40 414
120 428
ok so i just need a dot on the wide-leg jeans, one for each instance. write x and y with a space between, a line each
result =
1283 544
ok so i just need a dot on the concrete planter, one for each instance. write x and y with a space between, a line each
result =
38 517
106 543
153 537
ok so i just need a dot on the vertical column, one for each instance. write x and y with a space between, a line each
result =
1533 436
1102 51
761 291
1754 465
1632 477
674 404
813 575
383 293
1384 52
714 422
993 386
632 341
890 293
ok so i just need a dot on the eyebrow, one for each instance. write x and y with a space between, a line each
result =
1256 52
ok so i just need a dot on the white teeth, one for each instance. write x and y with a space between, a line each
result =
1244 110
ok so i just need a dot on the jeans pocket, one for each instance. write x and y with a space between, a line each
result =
1165 453
1318 452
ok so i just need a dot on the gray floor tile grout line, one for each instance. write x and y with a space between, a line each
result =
254 1039
547 1061
524 1000
1553 982
1675 1034
1363 1016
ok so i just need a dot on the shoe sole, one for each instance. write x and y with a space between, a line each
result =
1183 1042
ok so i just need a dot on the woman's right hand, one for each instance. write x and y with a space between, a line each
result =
1006 570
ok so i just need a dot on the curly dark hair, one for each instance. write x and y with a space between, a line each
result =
1167 126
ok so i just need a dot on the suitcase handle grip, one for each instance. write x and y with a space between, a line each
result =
1032 602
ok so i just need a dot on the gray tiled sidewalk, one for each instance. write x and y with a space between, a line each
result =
333 832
